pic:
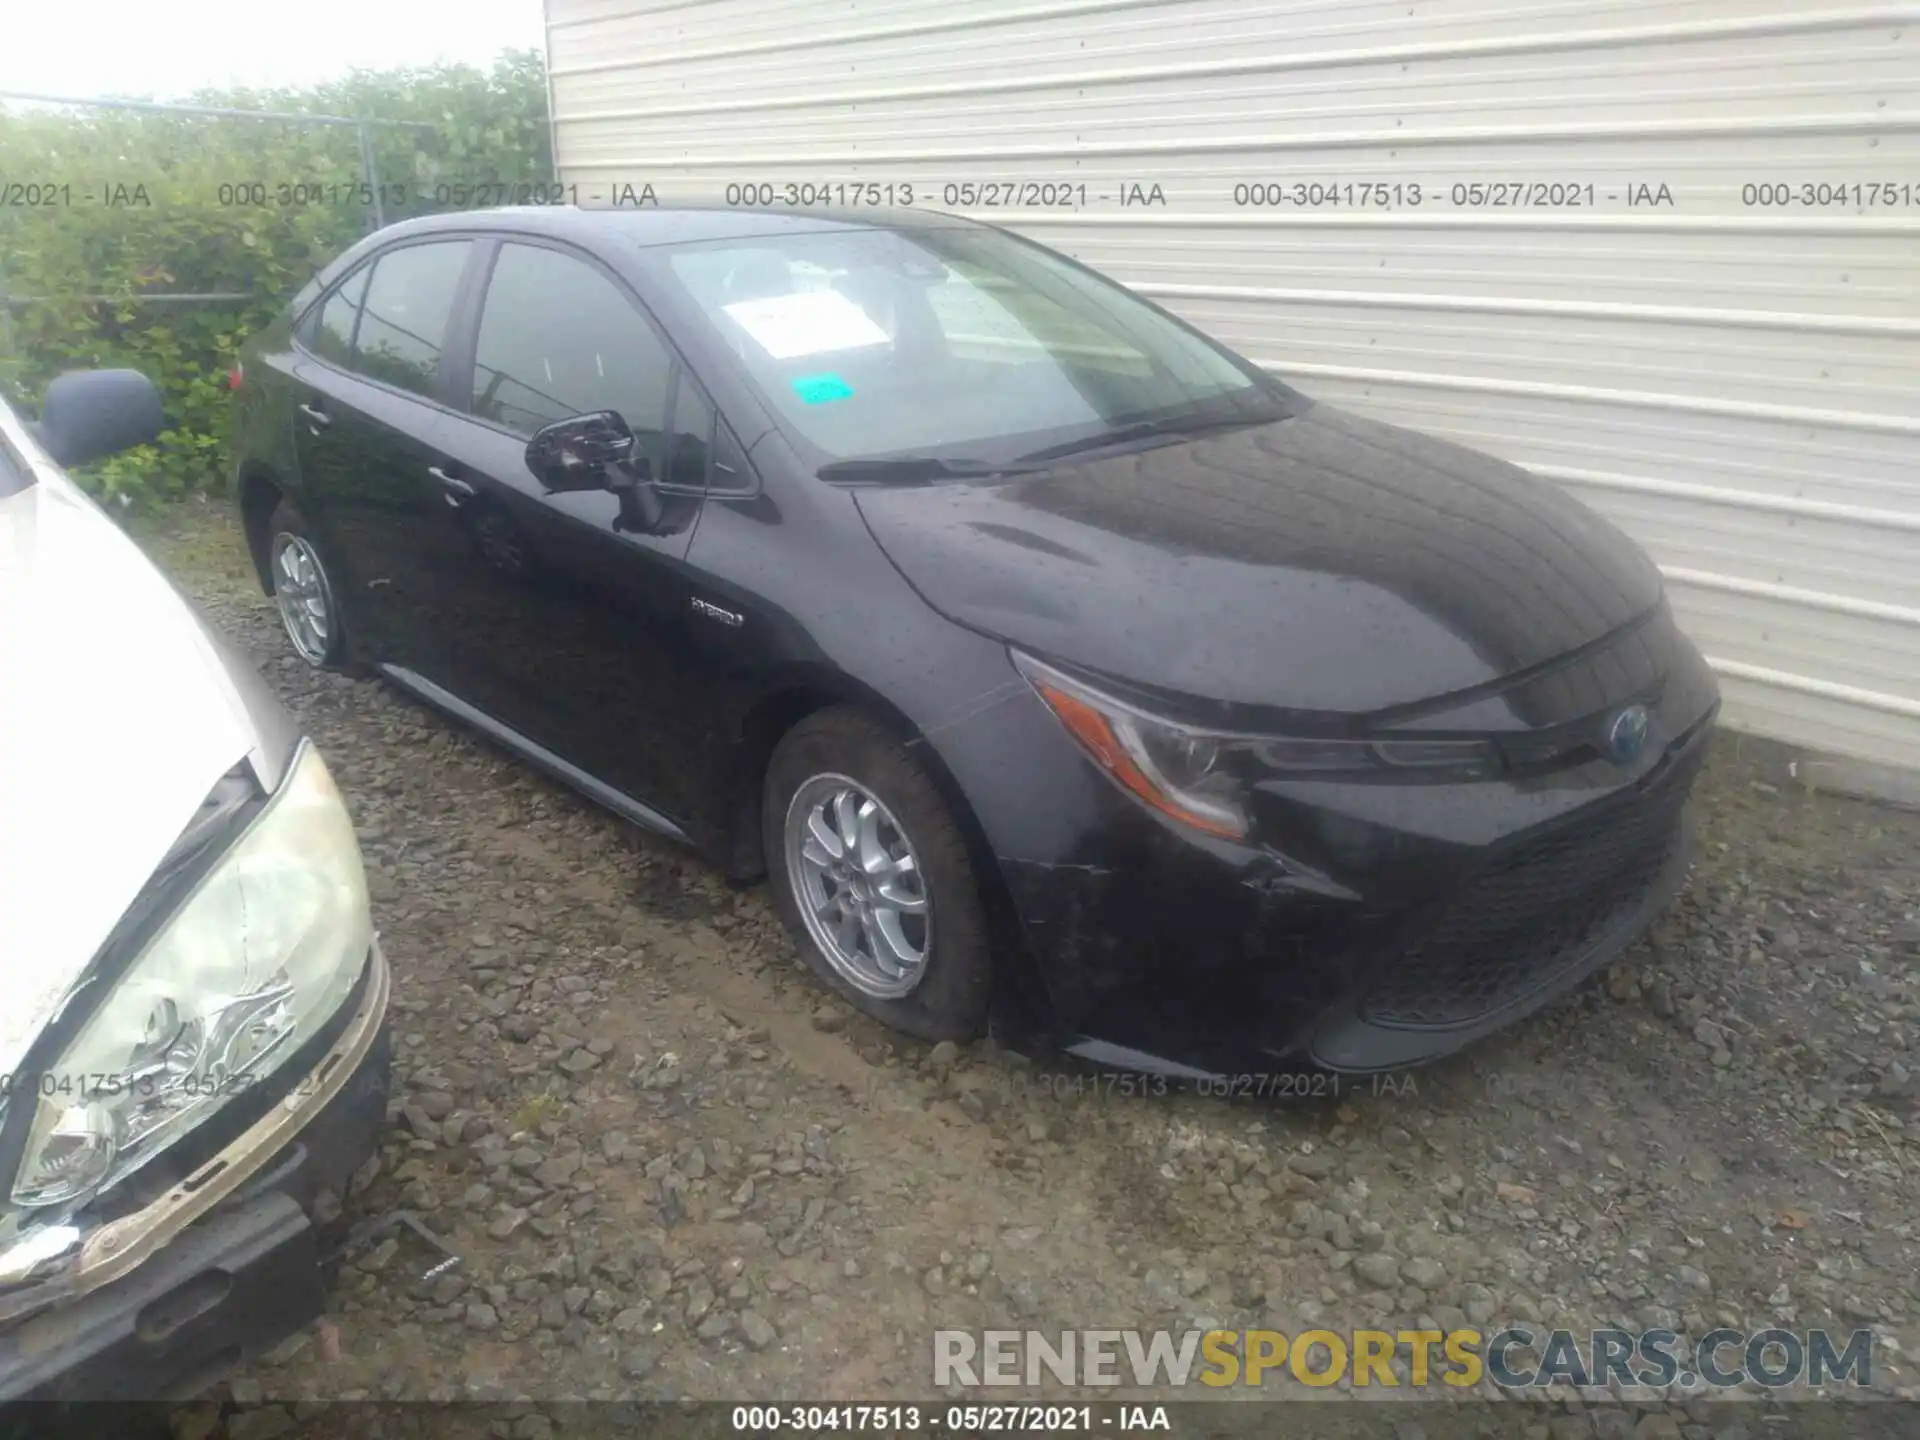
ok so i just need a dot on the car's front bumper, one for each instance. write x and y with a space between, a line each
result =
1371 925
163 1302
1196 958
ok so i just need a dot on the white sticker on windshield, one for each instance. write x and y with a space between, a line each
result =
810 322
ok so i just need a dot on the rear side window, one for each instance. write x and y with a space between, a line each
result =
557 338
330 331
403 321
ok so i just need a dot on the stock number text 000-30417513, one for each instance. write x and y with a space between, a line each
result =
397 195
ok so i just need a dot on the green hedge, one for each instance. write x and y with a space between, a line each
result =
144 202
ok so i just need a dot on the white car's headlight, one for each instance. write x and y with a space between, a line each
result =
254 962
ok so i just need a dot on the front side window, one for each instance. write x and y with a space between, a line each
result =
954 341
403 321
558 338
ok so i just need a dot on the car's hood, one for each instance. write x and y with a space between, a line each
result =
1321 563
117 717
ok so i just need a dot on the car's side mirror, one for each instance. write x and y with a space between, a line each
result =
90 414
585 452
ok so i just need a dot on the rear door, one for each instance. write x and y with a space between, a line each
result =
370 413
572 632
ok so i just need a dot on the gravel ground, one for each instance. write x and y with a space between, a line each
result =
672 1166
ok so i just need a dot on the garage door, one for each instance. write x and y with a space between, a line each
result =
1665 254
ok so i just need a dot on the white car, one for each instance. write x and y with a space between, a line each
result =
193 1038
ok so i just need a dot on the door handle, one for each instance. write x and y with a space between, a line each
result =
453 483
316 416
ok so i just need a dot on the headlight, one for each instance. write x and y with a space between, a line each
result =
260 955
1200 777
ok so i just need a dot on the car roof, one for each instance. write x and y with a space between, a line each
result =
645 226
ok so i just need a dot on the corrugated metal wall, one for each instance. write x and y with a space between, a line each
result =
1731 373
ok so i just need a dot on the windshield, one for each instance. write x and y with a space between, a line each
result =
962 342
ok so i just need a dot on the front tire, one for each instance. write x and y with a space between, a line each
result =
873 877
304 590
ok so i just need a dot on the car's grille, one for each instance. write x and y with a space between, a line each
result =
1517 925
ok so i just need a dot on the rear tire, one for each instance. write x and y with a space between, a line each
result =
873 877
305 590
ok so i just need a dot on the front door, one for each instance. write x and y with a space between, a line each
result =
572 631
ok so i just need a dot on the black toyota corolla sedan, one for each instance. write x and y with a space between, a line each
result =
1060 668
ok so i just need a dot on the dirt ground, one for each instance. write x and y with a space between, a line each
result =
671 1166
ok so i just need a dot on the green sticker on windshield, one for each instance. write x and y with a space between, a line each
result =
818 389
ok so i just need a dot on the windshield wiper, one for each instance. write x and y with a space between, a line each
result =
1169 430
918 469
922 469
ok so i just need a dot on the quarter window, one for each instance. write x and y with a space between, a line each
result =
15 476
557 338
403 323
692 436
330 334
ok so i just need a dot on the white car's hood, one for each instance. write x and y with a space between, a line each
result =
116 720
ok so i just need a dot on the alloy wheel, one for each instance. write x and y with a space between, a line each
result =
305 597
859 886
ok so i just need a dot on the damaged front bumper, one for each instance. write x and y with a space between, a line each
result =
161 1303
1202 961
1368 925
